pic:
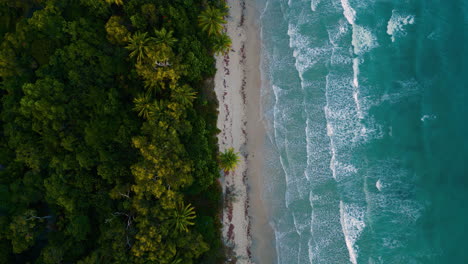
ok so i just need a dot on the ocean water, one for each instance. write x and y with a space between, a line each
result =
367 119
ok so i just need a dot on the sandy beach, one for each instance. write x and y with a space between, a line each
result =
237 85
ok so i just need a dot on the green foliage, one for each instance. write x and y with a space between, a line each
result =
139 45
138 21
164 37
105 140
184 95
8 64
116 32
97 7
228 160
222 44
79 227
144 106
117 2
23 230
211 20
150 13
182 217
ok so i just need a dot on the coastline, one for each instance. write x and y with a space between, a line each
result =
237 85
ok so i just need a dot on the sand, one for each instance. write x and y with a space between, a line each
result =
238 85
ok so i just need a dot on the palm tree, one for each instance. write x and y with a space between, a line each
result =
182 217
184 94
139 45
164 37
144 106
211 20
228 160
117 2
222 44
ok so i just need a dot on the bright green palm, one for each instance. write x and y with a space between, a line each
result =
117 2
164 37
184 94
182 217
211 20
228 160
222 44
144 106
139 45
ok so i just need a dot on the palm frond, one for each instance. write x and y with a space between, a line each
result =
211 20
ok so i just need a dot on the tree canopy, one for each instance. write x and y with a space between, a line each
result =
108 149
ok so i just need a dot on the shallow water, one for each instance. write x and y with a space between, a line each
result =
366 109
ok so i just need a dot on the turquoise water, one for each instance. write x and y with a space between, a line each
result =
366 107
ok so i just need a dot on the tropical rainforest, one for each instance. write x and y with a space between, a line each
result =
108 149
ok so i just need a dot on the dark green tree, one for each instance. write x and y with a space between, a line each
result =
139 45
164 37
116 31
82 179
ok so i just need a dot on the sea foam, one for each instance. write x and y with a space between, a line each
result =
356 88
348 12
425 118
363 40
352 223
378 185
397 23
314 4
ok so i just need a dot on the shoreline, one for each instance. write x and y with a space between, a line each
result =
246 230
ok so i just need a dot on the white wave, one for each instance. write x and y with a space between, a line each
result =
332 146
370 131
378 185
262 13
343 125
352 223
301 219
425 118
356 72
310 251
305 54
346 169
356 88
397 23
363 40
277 245
308 148
276 112
314 4
348 12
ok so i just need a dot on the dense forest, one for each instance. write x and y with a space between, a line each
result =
108 149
